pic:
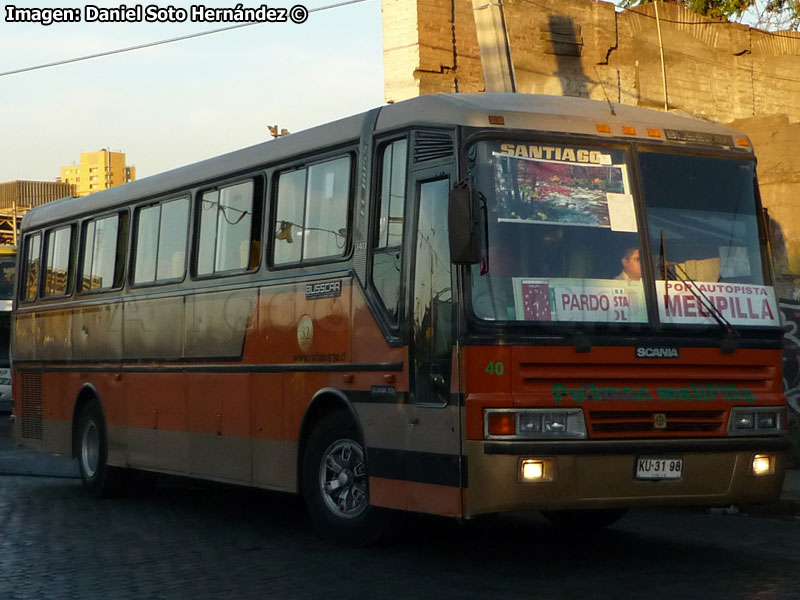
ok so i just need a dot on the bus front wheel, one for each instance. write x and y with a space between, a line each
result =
335 482
92 451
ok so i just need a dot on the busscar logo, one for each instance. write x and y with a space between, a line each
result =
657 352
324 289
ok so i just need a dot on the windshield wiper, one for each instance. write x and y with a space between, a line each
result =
728 344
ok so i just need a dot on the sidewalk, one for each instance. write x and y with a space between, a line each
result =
16 461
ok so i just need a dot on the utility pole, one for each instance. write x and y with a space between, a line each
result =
490 25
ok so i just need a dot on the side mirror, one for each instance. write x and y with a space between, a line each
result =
464 224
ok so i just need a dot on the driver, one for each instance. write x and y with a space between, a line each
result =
631 267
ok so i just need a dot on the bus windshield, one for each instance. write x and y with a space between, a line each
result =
564 243
703 229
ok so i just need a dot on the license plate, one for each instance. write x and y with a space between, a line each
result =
655 468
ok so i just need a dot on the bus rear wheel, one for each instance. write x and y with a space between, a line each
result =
92 452
335 483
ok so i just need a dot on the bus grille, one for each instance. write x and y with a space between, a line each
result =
31 405
649 399
610 422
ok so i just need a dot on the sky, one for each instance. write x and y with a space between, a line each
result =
178 103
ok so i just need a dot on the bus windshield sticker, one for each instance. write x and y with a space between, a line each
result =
580 300
621 212
556 153
740 304
555 192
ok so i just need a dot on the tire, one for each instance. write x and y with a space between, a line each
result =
335 483
92 452
585 519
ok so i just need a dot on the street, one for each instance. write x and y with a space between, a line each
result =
193 540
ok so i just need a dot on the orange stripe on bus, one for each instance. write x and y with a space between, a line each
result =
419 497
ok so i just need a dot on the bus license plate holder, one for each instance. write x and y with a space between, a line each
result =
658 468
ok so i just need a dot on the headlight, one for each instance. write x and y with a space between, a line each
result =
534 424
756 421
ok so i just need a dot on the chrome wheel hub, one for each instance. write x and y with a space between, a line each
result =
90 449
343 479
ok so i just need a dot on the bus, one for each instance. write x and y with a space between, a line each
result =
8 265
457 305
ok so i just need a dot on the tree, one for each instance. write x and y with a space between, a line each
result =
763 14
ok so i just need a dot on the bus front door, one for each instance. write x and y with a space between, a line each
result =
434 424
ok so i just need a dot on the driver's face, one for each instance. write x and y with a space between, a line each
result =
632 266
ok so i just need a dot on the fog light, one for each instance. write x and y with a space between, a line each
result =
536 470
532 470
763 464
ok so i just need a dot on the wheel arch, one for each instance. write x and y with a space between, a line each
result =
325 402
87 394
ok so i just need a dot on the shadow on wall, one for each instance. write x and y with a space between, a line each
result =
567 47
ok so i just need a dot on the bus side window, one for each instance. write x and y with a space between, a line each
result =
161 232
226 226
100 266
386 258
57 268
327 202
32 248
290 215
312 212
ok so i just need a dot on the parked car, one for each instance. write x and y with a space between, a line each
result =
5 390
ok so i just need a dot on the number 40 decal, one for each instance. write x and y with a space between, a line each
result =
495 368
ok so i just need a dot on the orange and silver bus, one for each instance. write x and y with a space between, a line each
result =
456 305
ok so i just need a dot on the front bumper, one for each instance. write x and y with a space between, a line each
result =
591 475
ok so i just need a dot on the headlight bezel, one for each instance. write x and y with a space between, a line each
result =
526 419
753 420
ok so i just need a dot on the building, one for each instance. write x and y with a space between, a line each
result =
17 197
98 171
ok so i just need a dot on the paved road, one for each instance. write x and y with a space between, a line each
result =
187 540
